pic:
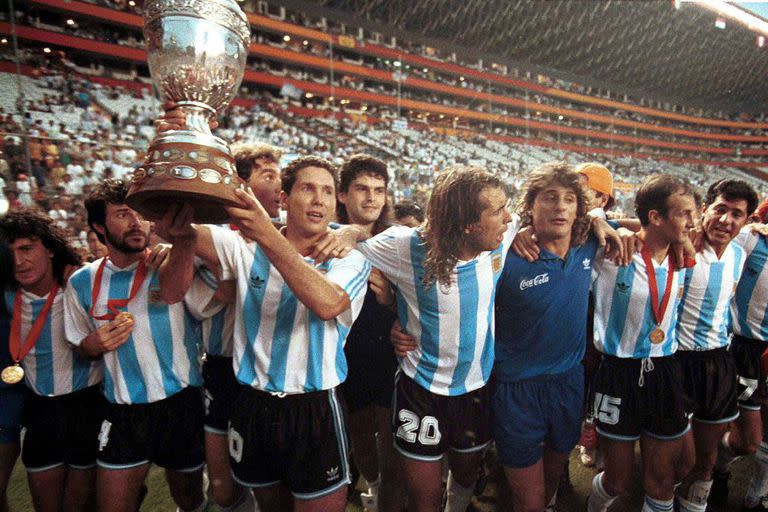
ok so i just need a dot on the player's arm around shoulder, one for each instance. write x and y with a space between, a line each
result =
351 274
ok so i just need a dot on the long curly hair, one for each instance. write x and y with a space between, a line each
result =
27 223
563 174
453 206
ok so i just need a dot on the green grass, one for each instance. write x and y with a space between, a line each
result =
159 500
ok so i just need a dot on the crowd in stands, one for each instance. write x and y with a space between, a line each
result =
76 133
93 29
437 54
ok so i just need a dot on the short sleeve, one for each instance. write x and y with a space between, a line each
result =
351 274
509 235
747 240
199 297
77 322
227 246
597 264
383 250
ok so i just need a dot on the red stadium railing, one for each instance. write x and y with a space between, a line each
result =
112 50
348 42
138 55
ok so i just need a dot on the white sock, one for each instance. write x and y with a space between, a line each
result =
458 495
698 492
198 508
696 500
246 503
653 505
689 506
758 487
599 499
725 454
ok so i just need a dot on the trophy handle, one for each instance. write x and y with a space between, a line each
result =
198 115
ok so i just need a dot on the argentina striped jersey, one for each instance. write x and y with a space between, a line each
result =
218 331
454 326
623 316
749 309
52 368
708 288
280 346
161 356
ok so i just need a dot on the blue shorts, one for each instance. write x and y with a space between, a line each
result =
11 405
534 413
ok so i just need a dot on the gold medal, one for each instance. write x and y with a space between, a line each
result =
12 374
124 317
657 336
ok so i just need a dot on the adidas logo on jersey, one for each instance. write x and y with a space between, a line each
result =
256 282
586 263
332 473
536 281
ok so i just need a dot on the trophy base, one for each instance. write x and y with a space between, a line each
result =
186 166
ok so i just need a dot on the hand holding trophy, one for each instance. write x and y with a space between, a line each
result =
196 54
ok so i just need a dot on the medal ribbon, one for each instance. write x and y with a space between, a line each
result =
18 352
114 305
656 308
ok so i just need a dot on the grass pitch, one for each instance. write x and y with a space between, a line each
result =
492 500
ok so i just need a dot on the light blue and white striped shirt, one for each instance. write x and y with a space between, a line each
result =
52 368
708 287
218 331
454 326
161 356
749 309
280 346
623 316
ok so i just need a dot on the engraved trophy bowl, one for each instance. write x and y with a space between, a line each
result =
196 55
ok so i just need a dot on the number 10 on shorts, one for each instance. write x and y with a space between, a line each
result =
606 409
428 431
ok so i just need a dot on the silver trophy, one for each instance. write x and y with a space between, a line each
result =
196 54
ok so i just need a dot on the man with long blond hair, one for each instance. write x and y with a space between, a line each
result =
445 274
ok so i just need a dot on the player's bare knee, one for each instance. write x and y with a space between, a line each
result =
705 461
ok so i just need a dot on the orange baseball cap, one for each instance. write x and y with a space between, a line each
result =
599 178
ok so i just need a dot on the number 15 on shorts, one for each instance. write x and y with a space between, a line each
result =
606 409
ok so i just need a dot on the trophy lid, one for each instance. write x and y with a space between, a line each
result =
224 12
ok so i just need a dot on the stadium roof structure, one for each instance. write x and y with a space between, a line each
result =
646 48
